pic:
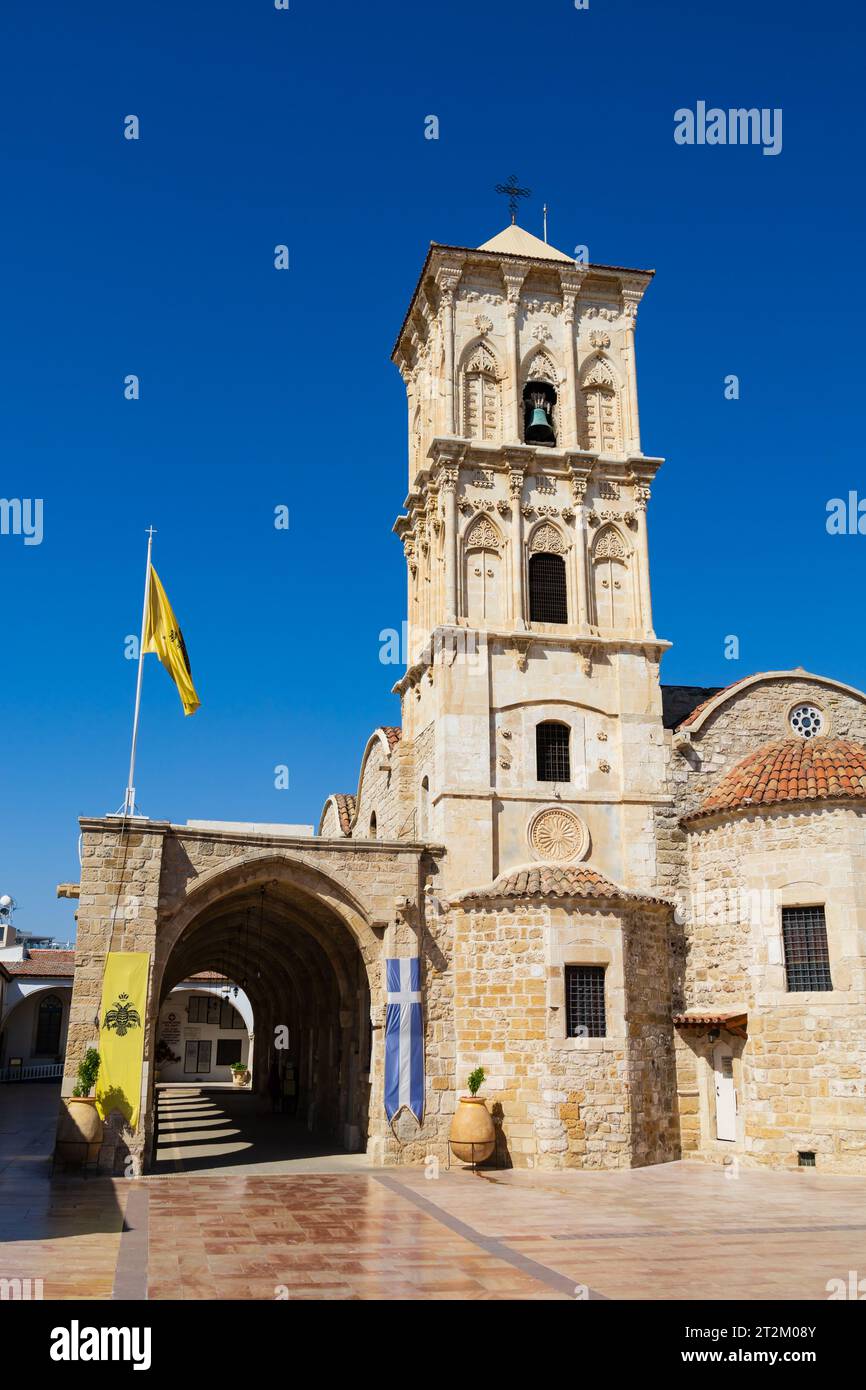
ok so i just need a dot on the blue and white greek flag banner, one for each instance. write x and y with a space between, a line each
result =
404 1038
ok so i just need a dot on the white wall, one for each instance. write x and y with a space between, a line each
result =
176 1030
21 1018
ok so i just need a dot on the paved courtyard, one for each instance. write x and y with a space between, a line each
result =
312 1225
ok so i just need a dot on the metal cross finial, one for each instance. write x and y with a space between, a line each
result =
513 191
150 531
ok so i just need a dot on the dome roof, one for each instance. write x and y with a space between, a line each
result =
792 769
553 881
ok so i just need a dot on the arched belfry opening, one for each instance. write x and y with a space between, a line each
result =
296 957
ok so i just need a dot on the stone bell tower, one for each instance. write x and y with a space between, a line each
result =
531 692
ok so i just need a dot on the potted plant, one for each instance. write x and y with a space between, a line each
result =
472 1136
240 1073
79 1134
163 1054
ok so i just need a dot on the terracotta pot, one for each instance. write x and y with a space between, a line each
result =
80 1130
472 1136
240 1078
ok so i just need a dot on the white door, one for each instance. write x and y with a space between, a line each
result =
726 1096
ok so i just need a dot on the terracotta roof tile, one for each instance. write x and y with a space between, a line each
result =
43 962
554 881
793 769
392 734
345 810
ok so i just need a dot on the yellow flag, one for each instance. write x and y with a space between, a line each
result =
162 635
121 1034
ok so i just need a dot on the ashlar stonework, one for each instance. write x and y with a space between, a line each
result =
537 825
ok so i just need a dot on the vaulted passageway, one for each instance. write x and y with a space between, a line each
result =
301 966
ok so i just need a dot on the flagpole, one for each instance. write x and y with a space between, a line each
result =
129 801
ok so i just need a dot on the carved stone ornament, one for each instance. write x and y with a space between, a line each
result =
542 369
483 323
482 535
610 545
541 332
546 538
557 835
482 360
521 652
598 375
502 507
600 340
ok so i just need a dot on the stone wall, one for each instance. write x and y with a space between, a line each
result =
801 1073
566 1101
142 887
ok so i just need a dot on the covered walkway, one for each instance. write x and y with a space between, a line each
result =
217 1129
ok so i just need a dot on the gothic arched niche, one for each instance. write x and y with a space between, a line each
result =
612 581
482 571
601 407
540 395
481 409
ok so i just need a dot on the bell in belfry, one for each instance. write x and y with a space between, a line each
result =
539 430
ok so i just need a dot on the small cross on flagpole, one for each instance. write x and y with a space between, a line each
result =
513 191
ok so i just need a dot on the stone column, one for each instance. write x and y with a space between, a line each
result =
568 414
121 865
578 492
514 276
632 293
515 487
449 489
642 496
448 278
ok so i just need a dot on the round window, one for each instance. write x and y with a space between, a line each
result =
806 720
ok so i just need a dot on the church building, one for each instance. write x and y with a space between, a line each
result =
640 908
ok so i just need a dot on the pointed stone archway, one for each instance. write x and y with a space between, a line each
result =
303 925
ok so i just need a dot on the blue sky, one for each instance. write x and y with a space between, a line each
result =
261 388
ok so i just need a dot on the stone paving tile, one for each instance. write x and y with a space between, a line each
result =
652 1233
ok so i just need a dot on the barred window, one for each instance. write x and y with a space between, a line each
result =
552 761
548 598
807 958
584 1001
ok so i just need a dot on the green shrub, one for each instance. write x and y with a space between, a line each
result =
88 1070
475 1079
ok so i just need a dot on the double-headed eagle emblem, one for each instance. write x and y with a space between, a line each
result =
122 1017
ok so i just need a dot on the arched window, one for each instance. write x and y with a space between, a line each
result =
49 1018
552 760
373 828
539 413
548 594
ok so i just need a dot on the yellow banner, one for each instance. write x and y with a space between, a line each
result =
121 1034
162 635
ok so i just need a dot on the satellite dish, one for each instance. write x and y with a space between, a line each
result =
5 902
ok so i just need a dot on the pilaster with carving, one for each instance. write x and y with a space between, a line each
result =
449 478
571 283
515 488
641 500
447 279
513 276
632 294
